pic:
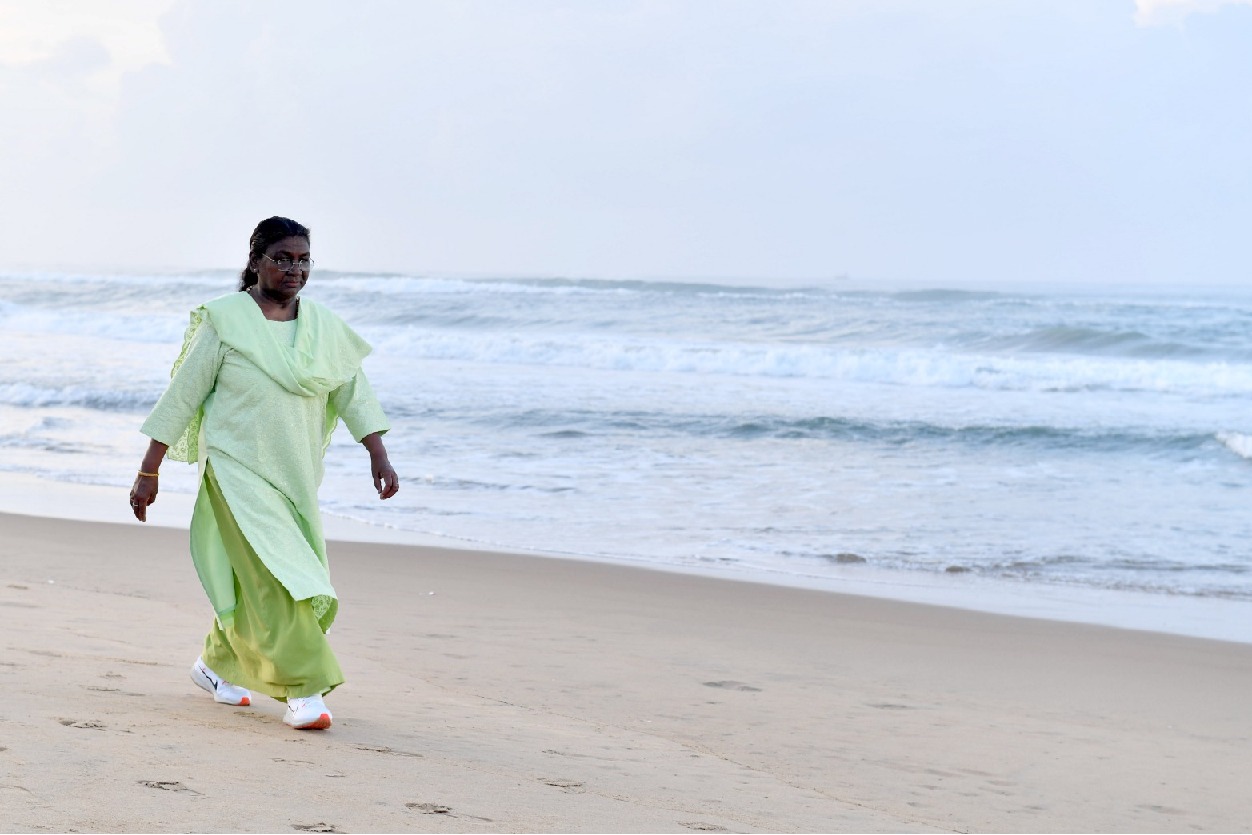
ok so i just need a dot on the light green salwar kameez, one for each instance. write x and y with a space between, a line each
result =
255 402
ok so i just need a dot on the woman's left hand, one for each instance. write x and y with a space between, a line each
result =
386 482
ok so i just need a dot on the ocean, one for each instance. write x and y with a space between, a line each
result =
1096 438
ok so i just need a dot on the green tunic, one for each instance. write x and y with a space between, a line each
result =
261 403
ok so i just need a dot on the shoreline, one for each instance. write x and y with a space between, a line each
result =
1198 617
492 692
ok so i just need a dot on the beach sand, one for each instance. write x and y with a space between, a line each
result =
491 692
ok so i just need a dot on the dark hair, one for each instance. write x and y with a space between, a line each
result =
267 232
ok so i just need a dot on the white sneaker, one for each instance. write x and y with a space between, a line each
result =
223 691
307 713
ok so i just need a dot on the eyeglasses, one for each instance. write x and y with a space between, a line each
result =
285 263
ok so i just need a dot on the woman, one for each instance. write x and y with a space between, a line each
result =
261 382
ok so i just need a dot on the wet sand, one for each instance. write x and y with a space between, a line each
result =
491 692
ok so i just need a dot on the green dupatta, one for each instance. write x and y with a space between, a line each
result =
326 355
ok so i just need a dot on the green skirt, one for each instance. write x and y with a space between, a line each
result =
272 644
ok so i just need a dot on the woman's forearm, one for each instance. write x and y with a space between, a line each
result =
374 443
153 457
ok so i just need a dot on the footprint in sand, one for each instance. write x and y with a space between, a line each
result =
315 827
733 685
167 786
569 786
118 690
74 723
1164 810
135 661
429 808
440 809
383 749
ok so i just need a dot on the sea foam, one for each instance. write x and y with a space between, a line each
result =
1237 443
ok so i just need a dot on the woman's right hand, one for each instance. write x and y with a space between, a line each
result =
142 494
144 491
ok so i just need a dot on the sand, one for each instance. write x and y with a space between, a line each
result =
503 693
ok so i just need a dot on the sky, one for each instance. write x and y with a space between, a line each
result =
945 142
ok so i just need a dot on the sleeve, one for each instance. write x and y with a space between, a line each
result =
192 381
358 407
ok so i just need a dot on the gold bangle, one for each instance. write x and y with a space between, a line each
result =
149 475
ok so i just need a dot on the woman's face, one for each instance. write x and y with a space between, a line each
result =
283 270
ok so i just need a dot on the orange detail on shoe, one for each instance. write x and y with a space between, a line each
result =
245 702
321 723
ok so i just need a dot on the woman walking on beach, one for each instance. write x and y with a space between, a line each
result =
261 382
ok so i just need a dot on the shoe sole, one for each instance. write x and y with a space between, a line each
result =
321 723
206 685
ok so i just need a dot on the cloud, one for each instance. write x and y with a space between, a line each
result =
1165 12
74 58
127 30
